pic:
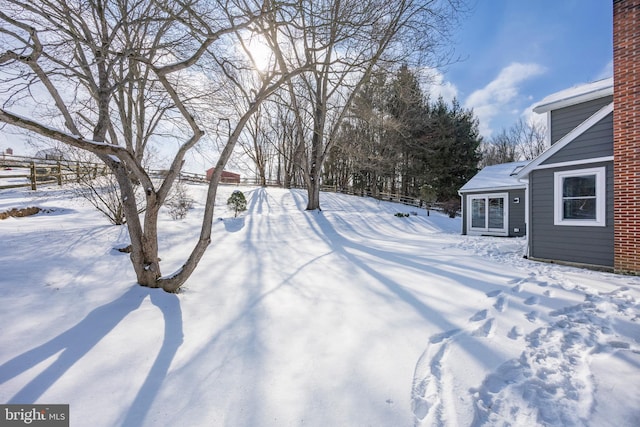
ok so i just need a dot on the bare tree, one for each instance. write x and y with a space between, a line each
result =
501 148
258 145
120 73
531 138
345 41
522 141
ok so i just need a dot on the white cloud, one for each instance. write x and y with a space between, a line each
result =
495 98
436 86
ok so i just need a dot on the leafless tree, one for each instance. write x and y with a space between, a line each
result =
345 40
501 148
258 144
122 73
522 141
531 137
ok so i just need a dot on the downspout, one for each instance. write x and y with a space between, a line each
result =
525 181
464 230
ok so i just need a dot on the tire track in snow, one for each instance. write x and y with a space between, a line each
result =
429 394
432 395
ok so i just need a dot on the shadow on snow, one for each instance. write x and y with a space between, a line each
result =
76 342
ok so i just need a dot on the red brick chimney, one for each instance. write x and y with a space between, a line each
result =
626 135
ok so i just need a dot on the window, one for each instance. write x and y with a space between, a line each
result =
579 197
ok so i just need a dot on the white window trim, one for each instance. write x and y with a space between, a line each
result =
601 197
486 230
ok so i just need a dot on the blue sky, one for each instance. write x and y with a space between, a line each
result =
516 52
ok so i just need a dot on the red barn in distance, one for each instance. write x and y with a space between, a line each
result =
227 177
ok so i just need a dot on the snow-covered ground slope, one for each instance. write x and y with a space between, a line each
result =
346 317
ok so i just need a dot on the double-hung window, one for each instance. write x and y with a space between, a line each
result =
579 197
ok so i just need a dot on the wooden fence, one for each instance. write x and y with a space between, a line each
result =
384 196
18 172
31 172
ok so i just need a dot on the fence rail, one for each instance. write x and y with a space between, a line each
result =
16 172
32 172
384 196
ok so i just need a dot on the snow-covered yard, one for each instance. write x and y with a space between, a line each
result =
346 317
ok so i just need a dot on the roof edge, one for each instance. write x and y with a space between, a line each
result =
562 142
577 95
492 189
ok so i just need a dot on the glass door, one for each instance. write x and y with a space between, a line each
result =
488 214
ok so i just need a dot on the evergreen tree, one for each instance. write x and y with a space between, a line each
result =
408 110
237 202
454 142
397 141
363 140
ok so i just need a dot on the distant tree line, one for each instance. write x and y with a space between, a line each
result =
393 138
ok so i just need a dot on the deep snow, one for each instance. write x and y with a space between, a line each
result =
345 317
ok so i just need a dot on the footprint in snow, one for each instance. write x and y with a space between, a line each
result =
515 332
485 330
532 301
495 293
481 315
428 394
501 304
443 336
532 316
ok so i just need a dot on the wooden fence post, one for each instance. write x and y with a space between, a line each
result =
59 174
32 173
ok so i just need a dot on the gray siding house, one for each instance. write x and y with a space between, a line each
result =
582 194
493 202
570 185
567 190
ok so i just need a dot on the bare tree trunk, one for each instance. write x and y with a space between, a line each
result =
117 61
108 54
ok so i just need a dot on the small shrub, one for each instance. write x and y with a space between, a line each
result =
179 203
451 207
401 215
237 202
103 192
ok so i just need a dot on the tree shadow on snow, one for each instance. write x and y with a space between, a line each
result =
233 225
169 304
345 248
73 344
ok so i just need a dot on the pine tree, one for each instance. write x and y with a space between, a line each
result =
454 142
237 202
408 109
